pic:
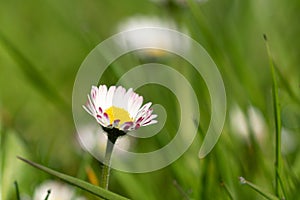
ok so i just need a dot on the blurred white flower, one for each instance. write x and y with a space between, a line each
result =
257 123
288 140
238 122
59 191
244 124
151 38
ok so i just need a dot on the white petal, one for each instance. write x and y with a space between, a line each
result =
152 117
148 118
131 99
94 92
102 95
101 121
126 98
91 103
136 106
143 113
102 92
109 97
87 109
152 122
146 106
118 99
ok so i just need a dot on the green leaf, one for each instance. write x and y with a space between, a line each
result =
97 191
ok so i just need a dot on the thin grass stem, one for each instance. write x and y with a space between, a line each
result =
282 188
227 190
258 189
17 190
182 192
277 119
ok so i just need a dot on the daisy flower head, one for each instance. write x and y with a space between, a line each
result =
117 110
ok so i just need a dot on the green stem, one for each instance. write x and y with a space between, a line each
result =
182 192
223 185
17 190
48 194
277 123
258 189
112 135
106 165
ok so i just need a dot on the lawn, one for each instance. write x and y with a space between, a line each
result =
222 76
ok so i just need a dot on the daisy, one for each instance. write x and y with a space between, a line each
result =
118 111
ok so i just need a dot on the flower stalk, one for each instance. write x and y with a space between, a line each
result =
104 181
112 135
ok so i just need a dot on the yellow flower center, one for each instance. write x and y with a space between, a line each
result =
115 113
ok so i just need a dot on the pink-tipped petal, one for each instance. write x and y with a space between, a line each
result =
150 122
116 123
126 126
137 126
106 115
94 92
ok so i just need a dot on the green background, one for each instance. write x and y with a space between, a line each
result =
43 43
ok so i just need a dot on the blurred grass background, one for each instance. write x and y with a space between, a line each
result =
42 44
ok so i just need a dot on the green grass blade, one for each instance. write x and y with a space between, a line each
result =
202 23
286 85
17 190
258 189
35 77
181 190
277 119
97 191
227 191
